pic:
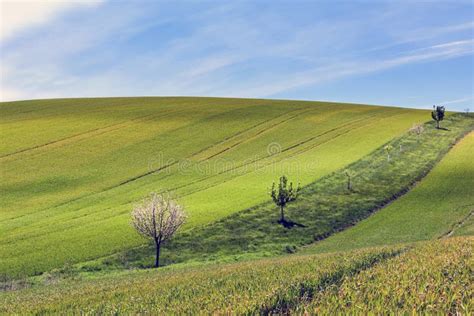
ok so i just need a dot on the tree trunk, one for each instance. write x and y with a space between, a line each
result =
157 258
437 124
282 215
349 187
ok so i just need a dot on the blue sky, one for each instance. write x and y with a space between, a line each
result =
404 53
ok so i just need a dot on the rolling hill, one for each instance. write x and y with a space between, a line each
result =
73 168
431 210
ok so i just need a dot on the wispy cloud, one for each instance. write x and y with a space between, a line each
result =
343 69
422 34
457 101
226 49
21 15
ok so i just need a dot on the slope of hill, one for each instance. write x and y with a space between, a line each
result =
72 168
430 277
324 207
431 210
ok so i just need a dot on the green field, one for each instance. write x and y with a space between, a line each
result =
324 207
73 168
364 281
431 210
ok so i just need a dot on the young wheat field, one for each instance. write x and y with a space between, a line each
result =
72 169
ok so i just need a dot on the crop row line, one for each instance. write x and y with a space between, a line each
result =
227 171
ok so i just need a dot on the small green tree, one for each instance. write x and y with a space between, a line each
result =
437 114
283 195
349 174
388 148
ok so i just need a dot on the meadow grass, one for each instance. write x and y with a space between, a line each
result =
73 168
247 287
435 278
326 207
430 277
464 227
432 209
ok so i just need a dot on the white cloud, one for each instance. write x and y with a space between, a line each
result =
422 34
461 100
225 54
342 69
19 15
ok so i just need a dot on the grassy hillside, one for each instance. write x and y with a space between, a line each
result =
432 209
72 168
425 278
324 207
434 278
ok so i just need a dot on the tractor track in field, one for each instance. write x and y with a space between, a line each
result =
382 117
328 132
101 108
252 162
85 135
200 180
49 115
240 166
247 130
100 130
346 124
260 159
194 154
258 133
267 164
162 167
92 131
274 126
304 110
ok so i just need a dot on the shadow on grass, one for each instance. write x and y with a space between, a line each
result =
289 224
